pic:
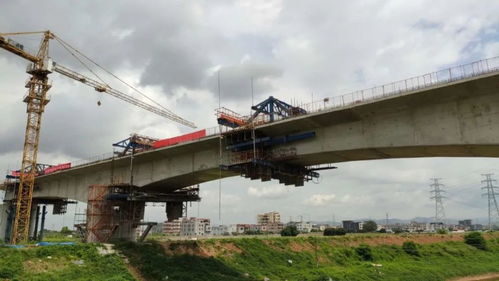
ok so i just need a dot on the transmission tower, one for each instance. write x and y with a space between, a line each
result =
437 194
490 192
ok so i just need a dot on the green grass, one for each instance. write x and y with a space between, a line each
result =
261 258
58 263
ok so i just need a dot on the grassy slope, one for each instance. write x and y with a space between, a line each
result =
57 263
231 259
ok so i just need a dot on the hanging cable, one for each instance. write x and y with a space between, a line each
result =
253 120
220 158
81 62
67 45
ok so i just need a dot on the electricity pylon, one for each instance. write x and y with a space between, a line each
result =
437 195
491 197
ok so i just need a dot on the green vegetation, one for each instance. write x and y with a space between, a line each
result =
476 240
77 263
410 248
334 232
290 230
364 252
369 226
310 258
442 231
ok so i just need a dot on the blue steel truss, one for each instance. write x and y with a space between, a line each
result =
273 107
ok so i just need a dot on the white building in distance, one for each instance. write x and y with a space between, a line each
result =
195 227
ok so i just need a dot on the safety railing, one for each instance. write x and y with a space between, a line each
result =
91 160
437 78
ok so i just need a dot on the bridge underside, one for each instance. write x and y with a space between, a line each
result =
460 119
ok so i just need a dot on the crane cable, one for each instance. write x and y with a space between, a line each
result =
67 45
81 62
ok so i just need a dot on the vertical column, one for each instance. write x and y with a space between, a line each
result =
174 210
42 224
6 219
33 221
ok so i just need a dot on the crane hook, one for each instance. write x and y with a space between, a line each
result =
98 103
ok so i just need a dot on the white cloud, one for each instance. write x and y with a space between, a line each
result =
291 48
320 199
268 192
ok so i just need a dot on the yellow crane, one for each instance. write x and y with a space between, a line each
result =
38 85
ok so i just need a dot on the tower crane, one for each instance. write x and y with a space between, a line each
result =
41 65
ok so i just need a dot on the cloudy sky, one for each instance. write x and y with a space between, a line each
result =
172 50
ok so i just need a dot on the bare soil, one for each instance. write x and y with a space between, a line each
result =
483 277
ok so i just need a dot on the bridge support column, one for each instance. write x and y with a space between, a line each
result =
33 221
6 219
174 210
111 219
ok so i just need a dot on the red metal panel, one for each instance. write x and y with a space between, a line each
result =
56 168
179 139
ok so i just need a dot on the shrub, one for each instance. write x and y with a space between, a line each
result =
364 252
442 231
370 226
289 230
382 230
476 240
410 248
334 232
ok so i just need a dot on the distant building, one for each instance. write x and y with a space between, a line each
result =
172 227
319 227
195 227
435 226
274 227
465 225
220 230
476 227
301 226
416 227
241 228
352 226
270 217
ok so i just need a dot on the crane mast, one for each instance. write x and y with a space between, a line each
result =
36 99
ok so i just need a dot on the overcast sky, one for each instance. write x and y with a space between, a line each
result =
172 50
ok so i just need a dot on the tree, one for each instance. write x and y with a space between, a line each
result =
334 232
382 230
370 226
65 230
476 240
290 230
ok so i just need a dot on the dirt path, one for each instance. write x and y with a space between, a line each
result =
484 277
135 272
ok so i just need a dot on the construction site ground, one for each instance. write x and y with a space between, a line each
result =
308 257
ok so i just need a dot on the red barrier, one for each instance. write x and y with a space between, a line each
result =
56 168
179 139
15 173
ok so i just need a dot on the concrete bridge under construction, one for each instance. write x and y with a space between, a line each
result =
455 119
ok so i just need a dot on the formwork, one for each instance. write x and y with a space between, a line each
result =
111 217
100 226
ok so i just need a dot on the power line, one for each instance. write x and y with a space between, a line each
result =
491 197
220 155
437 194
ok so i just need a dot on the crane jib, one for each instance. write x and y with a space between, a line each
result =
100 87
